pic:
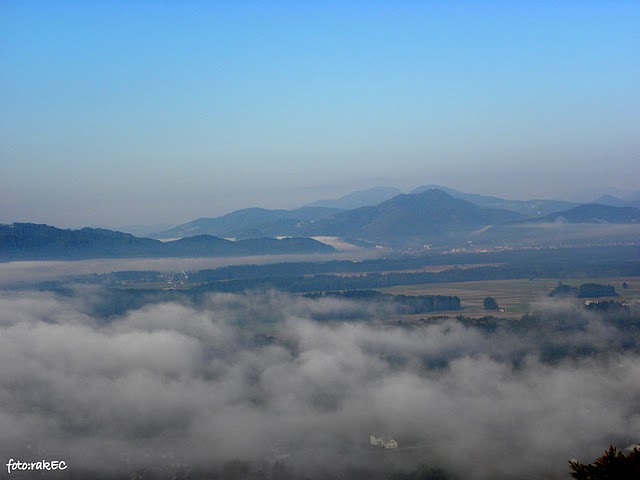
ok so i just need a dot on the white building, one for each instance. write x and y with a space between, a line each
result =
382 442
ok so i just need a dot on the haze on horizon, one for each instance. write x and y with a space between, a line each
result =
118 113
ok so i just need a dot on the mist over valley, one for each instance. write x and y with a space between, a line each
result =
172 388
285 240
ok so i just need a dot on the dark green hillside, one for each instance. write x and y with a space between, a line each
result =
34 241
28 241
245 220
206 245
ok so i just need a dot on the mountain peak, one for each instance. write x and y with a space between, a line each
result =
610 201
361 198
430 216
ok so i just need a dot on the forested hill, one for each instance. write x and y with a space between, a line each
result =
29 241
432 216
238 223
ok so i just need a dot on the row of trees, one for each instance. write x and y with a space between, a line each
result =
602 261
586 290
404 304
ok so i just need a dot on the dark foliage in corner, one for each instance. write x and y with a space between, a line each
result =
613 464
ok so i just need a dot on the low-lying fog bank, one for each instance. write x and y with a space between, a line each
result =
16 273
170 387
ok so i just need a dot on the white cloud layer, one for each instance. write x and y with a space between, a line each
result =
170 384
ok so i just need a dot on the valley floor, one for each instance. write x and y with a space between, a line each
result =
517 296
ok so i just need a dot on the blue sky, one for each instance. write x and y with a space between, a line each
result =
145 112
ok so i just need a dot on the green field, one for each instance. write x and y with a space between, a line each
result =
516 296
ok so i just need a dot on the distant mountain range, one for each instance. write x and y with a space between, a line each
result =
260 222
247 223
257 222
377 195
138 230
592 213
530 208
428 216
362 198
584 224
612 201
28 241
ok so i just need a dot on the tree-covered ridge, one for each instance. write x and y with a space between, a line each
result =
594 213
325 282
29 241
403 304
586 290
241 223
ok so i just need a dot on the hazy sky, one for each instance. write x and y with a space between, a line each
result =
144 112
